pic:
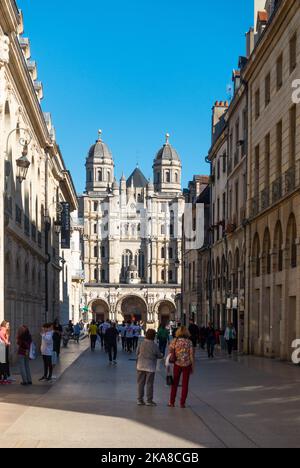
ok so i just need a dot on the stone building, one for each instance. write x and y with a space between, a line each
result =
273 267
193 301
33 181
132 238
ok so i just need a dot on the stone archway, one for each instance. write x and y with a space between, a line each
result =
166 312
134 308
100 310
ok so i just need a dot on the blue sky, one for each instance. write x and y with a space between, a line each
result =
136 69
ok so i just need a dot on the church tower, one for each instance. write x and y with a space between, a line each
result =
99 167
167 169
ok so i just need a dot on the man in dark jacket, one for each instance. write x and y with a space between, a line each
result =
111 340
194 332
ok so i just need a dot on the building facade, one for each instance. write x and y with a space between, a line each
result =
132 238
33 181
197 193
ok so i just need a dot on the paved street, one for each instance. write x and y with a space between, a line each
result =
250 403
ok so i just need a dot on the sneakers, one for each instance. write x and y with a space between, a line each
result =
141 403
115 363
151 404
43 379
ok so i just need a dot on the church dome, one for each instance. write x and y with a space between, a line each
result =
100 150
167 152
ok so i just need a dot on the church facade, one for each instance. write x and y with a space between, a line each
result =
133 238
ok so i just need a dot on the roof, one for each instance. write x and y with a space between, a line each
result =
139 180
99 150
167 152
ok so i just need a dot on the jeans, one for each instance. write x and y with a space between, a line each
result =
162 346
145 379
186 371
112 348
230 344
25 369
48 368
93 342
123 343
211 348
129 342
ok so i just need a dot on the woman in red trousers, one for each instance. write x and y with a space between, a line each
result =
182 348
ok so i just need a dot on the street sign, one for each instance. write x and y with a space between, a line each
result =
65 226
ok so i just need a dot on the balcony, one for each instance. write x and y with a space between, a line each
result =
282 187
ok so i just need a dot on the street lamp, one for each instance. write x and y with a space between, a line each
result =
23 163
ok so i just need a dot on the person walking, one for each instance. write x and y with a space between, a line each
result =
136 335
4 338
194 332
184 362
202 338
122 330
147 355
57 336
230 337
77 332
129 337
210 340
24 341
163 336
93 332
111 343
47 351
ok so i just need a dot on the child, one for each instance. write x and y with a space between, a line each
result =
47 351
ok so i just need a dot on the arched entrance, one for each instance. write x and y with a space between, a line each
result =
166 312
134 308
100 310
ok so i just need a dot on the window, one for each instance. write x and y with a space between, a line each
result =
293 135
96 252
224 163
293 53
96 275
103 252
268 89
163 253
100 175
108 177
257 104
267 160
163 230
224 206
171 230
95 228
103 277
168 177
163 276
170 275
279 148
256 171
176 177
170 253
279 70
95 206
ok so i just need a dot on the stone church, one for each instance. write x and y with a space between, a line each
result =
133 238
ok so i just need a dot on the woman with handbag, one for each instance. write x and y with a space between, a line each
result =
24 342
182 355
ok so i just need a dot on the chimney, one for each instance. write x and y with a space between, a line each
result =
249 42
218 111
259 5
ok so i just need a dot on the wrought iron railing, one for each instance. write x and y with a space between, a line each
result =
280 188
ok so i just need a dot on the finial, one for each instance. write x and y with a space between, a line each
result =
99 135
167 138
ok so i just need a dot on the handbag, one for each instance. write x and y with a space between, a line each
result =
172 358
32 352
170 380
